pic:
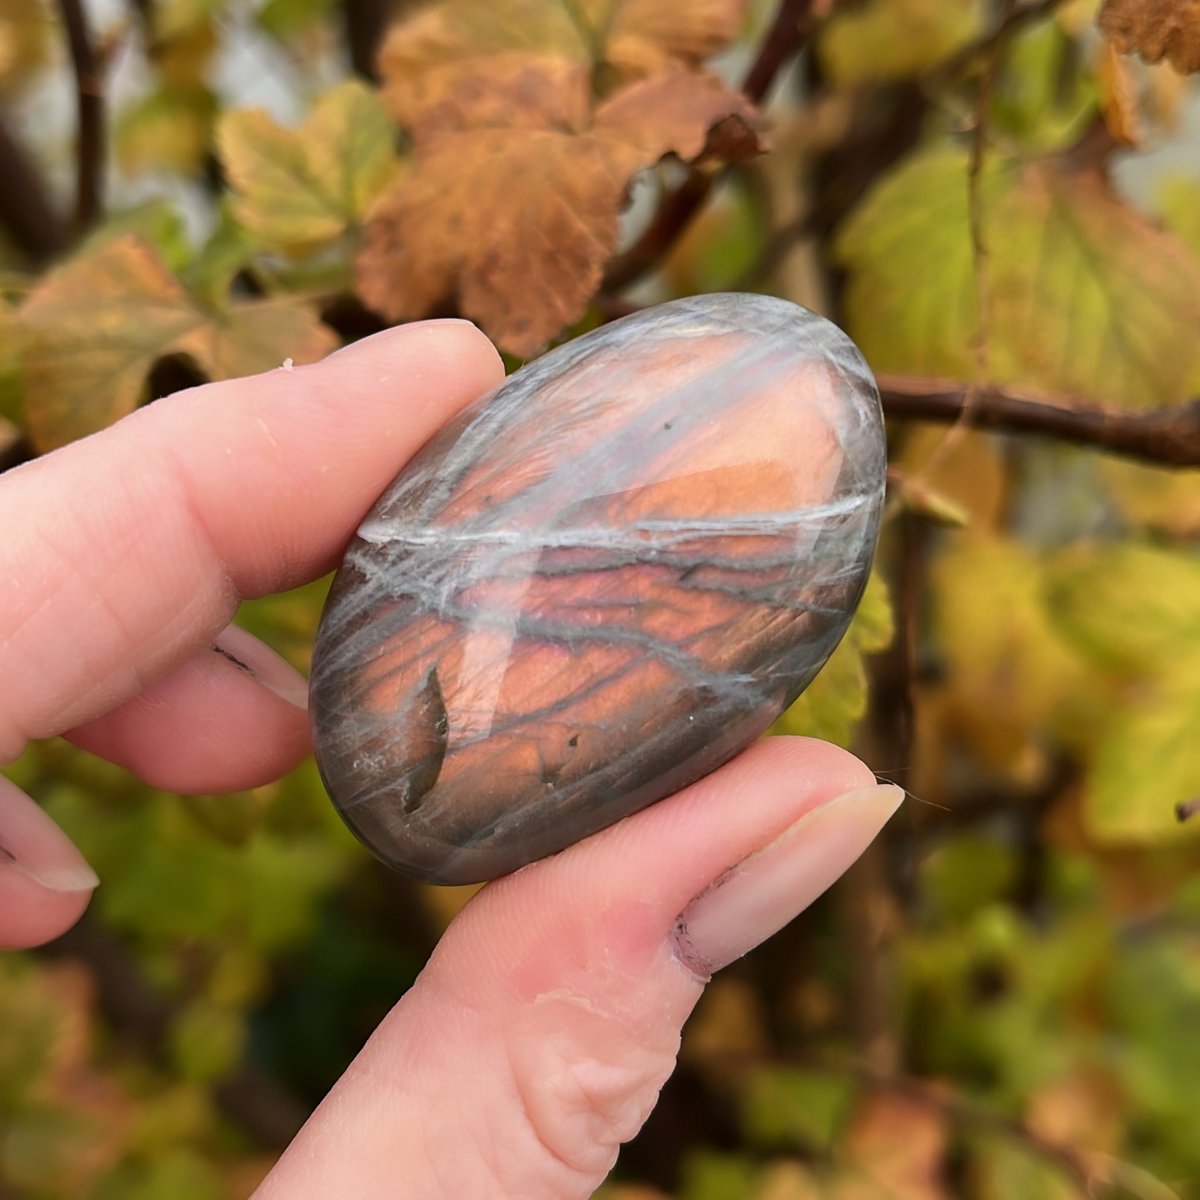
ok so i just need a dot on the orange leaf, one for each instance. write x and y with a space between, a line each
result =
896 1148
528 121
1155 29
92 328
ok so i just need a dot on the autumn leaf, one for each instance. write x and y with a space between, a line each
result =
528 123
477 55
1013 681
1087 296
298 187
25 42
168 128
895 1147
1118 97
893 39
832 705
92 329
1131 608
1134 610
1155 29
1147 765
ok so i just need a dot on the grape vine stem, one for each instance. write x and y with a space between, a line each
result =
1166 437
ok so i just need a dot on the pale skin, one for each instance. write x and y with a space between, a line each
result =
539 1034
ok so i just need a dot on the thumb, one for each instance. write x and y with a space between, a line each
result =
543 1027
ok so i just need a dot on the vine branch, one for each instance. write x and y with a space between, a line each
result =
26 210
89 101
1167 437
782 42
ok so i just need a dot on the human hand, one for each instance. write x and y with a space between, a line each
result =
537 1037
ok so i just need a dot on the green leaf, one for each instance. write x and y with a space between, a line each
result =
1132 608
836 700
966 874
177 1172
1005 1168
230 249
711 1176
1087 297
93 328
1013 677
299 187
168 129
1042 99
206 1041
1147 764
158 222
1178 203
783 1106
285 19
893 39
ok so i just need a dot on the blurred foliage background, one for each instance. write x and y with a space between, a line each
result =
1001 202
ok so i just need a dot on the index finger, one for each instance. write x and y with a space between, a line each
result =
125 550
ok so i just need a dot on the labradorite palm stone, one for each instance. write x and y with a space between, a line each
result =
598 583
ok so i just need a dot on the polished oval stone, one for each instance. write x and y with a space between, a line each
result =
598 583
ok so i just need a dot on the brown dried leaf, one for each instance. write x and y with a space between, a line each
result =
516 224
1118 98
897 1147
1155 29
444 48
528 121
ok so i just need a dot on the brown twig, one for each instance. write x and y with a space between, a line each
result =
782 42
89 99
1161 437
26 210
1167 437
867 896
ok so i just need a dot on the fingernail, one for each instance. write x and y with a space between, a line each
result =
34 846
245 652
765 891
404 329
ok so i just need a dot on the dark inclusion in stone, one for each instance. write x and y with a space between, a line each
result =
598 583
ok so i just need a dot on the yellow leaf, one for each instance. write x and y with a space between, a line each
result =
1178 203
1088 297
834 703
1147 764
93 328
963 468
24 42
1155 497
894 39
1010 679
168 129
1132 608
298 187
